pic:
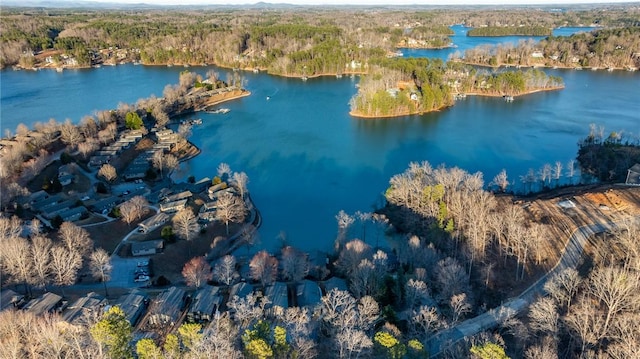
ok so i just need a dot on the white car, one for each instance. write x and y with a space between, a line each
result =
143 263
141 278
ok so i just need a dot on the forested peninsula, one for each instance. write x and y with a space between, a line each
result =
400 87
510 31
612 49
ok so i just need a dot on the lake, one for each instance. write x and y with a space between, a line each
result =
307 159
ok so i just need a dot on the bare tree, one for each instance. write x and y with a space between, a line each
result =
134 209
294 264
563 286
344 222
425 321
617 290
157 159
87 147
557 170
240 180
184 131
65 264
101 267
501 180
543 317
585 324
224 171
16 260
197 271
171 162
353 343
459 306
70 134
351 255
41 259
544 350
229 209
264 268
571 171
108 172
224 271
451 278
75 239
185 225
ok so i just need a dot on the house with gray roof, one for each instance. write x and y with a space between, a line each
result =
153 222
46 303
85 309
277 294
147 248
134 305
308 294
166 309
204 305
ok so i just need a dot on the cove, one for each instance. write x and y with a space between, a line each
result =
306 158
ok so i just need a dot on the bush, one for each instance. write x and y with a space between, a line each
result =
101 188
150 174
162 281
56 222
167 234
66 158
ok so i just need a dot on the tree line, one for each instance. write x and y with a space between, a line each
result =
249 38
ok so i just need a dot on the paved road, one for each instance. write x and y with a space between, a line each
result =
570 258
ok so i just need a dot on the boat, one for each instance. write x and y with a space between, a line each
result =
508 98
256 70
304 78
610 69
338 76
220 111
268 98
59 69
460 96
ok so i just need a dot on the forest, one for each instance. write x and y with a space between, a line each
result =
510 31
603 48
305 42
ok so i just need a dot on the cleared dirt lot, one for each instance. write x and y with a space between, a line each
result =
564 210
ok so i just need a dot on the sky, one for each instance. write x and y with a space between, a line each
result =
363 2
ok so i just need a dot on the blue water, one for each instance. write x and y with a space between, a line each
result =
307 158
462 42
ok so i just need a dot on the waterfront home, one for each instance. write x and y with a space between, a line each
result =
334 283
178 196
147 247
277 294
205 303
46 303
153 222
242 290
174 206
308 294
10 299
166 309
134 305
85 309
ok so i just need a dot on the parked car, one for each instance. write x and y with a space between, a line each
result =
144 263
141 278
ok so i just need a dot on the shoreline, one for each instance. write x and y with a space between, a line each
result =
543 66
403 114
479 94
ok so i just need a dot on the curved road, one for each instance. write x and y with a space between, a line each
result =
570 258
